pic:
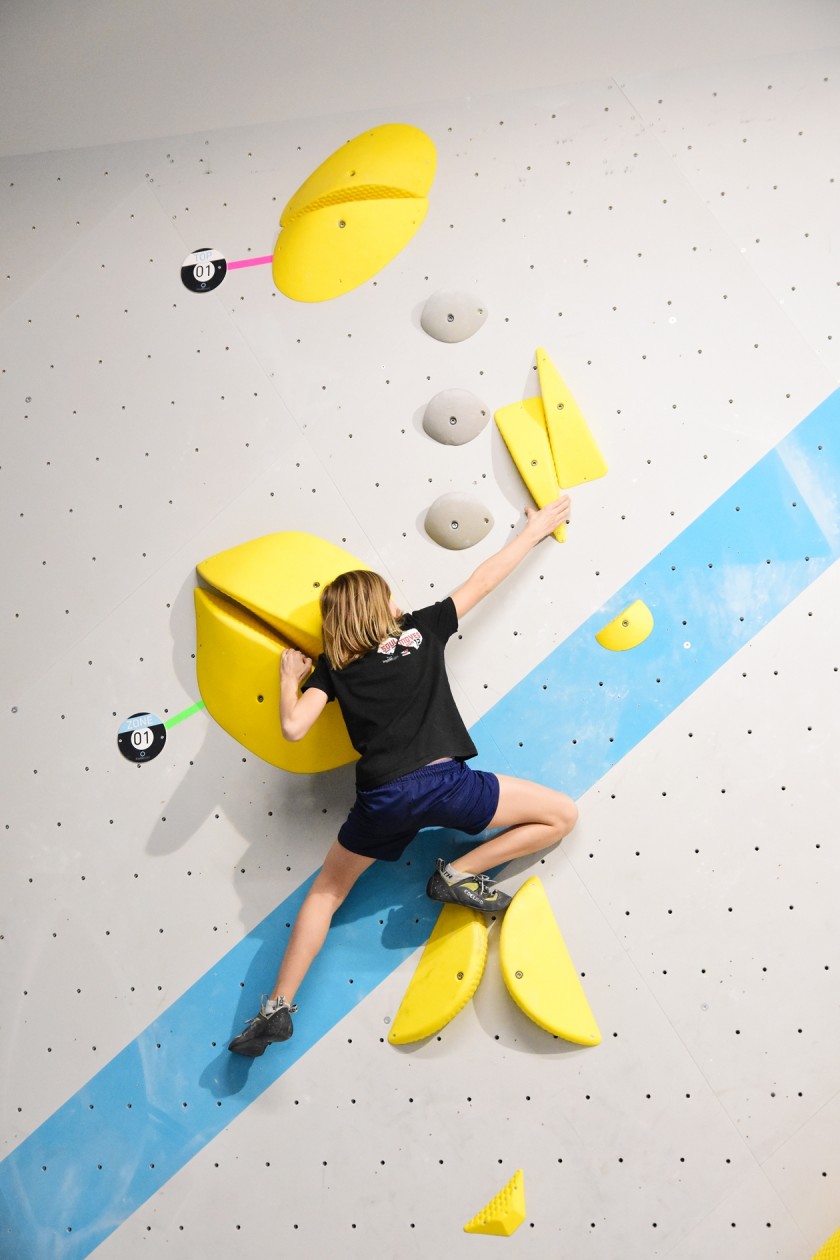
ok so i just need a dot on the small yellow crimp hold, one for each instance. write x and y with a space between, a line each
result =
505 1213
628 629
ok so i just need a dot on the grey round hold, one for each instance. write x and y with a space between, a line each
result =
457 521
455 416
450 316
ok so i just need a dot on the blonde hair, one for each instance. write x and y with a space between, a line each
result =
356 613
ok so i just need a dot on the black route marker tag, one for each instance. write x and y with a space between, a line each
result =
141 737
203 270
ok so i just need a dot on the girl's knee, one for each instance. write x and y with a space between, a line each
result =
565 814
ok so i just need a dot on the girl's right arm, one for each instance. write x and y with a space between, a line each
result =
298 713
496 568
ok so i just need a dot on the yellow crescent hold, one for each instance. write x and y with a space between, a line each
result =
446 976
539 974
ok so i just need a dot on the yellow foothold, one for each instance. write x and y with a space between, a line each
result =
576 455
522 425
446 977
830 1250
503 1214
628 629
539 974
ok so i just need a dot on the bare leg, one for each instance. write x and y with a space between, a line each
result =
535 817
333 882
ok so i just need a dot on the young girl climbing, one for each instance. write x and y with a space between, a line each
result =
386 670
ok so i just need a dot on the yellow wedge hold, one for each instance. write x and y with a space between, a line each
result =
265 600
446 977
628 629
523 427
354 213
237 663
503 1214
576 455
538 971
279 578
830 1250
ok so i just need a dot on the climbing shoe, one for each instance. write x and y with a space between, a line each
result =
273 1023
479 892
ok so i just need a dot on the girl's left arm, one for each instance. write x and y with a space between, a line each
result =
298 713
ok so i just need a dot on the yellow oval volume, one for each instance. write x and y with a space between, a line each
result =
354 213
396 158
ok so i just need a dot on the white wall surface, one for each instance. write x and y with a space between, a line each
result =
649 191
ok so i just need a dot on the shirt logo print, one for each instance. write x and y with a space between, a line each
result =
408 639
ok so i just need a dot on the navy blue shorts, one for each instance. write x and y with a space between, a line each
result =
384 820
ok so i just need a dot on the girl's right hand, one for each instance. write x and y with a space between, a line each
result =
294 665
551 517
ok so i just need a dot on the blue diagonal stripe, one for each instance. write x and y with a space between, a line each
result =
103 1153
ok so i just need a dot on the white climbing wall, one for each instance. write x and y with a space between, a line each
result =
671 240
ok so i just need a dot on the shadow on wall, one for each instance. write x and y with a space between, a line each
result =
276 813
387 912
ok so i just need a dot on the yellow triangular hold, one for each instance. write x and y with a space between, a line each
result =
522 425
830 1250
446 977
628 629
539 974
505 1213
576 455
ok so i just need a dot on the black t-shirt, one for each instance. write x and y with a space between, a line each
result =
396 701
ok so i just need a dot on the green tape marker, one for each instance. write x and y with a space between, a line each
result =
181 717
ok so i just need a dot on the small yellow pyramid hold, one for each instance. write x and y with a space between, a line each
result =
505 1213
830 1250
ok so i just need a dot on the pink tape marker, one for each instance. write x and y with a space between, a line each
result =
250 262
